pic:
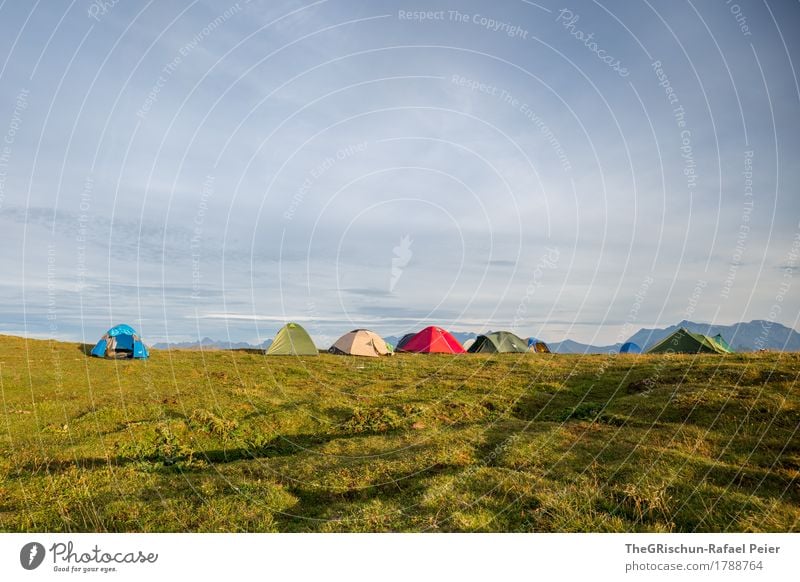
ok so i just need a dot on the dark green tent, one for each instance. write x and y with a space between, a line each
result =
292 340
684 341
498 341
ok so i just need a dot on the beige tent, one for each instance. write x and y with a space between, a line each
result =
360 342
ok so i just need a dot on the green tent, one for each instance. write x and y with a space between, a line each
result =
498 341
721 341
684 341
292 340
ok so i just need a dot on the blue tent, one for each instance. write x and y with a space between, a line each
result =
630 348
121 341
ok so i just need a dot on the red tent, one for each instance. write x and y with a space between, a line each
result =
433 340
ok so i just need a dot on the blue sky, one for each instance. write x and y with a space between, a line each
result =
563 170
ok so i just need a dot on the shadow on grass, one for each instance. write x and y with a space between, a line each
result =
280 446
337 506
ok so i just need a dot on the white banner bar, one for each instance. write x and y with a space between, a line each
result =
401 557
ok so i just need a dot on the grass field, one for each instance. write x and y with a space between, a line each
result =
234 441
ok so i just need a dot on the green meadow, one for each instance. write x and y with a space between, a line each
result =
234 441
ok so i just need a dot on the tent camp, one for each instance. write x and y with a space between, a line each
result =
292 340
360 342
432 340
537 346
684 341
630 348
498 341
121 342
403 341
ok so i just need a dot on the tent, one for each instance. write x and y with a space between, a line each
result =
498 341
292 340
537 346
433 340
468 344
630 348
403 341
684 341
721 341
120 342
360 342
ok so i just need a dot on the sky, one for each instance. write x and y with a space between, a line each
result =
575 170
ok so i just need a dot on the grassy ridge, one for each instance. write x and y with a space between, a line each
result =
234 441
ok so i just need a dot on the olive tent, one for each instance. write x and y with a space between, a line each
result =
360 342
537 346
433 340
630 348
684 341
498 341
292 340
121 342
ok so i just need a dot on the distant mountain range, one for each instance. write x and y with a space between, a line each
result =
209 344
743 337
573 347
